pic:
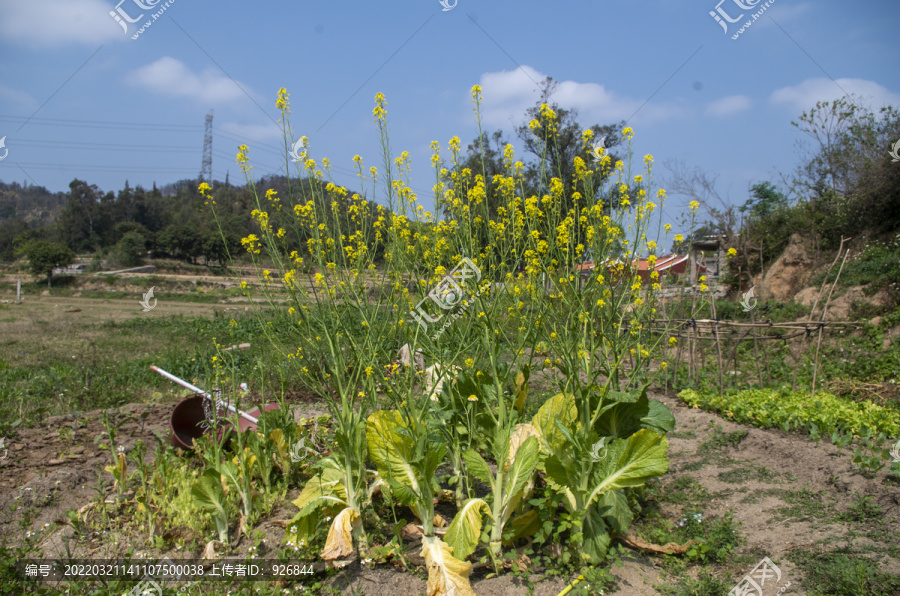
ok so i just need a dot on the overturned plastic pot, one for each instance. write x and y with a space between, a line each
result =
188 417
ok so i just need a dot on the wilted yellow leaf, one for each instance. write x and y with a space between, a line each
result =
447 576
339 542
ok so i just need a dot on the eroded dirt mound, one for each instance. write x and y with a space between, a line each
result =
790 272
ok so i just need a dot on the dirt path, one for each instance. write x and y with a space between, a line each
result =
787 493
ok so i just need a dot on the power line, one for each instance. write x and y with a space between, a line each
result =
101 124
104 146
180 128
55 166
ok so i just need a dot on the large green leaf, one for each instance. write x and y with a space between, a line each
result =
465 529
613 506
393 452
325 488
519 435
520 474
563 479
629 462
596 538
302 527
523 526
478 468
558 472
208 494
659 418
560 407
622 417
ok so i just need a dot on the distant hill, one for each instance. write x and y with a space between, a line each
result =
34 205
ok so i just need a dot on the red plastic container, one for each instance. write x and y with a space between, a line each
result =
187 417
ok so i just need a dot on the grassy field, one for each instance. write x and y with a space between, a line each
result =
60 354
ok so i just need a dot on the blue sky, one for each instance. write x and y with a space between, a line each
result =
79 97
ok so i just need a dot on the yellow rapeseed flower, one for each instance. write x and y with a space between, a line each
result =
283 103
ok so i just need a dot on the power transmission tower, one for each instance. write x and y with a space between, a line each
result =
206 168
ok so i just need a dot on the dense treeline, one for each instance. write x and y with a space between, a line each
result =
133 223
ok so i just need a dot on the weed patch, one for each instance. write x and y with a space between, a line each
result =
843 574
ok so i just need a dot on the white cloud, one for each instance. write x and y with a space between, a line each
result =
253 132
168 76
729 105
805 95
48 23
507 94
16 96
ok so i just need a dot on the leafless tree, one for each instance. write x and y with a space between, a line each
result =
697 185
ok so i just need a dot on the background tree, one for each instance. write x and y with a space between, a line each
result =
219 246
719 215
559 156
181 241
846 184
484 158
80 221
44 257
130 250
